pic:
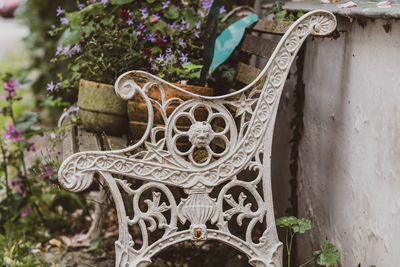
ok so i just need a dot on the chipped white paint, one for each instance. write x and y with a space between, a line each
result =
161 162
351 137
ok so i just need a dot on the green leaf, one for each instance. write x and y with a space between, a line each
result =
160 25
69 37
329 254
121 2
302 226
172 12
280 16
75 19
297 225
300 13
190 15
192 66
26 121
150 1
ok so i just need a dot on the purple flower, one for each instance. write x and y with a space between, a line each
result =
165 4
50 86
81 6
92 1
196 33
206 5
64 21
53 136
104 2
184 59
160 59
222 10
129 22
76 48
151 37
141 26
144 12
59 50
59 11
173 25
31 146
25 212
182 43
168 54
11 85
198 24
12 134
67 51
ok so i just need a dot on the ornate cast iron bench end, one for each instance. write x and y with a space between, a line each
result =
162 164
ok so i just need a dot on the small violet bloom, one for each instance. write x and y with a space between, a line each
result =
144 12
151 37
67 51
129 22
160 59
196 34
64 21
182 43
50 86
59 50
165 4
76 48
104 2
59 11
222 10
184 59
198 24
81 6
53 136
141 26
206 5
173 25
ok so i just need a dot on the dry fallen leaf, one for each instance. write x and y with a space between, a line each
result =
55 242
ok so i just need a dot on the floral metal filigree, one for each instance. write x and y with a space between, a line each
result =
160 160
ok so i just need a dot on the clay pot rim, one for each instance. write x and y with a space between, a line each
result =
97 84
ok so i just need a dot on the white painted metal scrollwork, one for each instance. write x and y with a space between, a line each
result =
220 147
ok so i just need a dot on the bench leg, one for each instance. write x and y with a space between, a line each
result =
101 206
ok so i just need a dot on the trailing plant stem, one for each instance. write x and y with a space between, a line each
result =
3 152
307 262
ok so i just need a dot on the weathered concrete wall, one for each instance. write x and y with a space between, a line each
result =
349 164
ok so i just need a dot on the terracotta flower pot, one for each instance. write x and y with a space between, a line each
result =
100 109
137 110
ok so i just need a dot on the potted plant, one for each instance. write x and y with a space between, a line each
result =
104 39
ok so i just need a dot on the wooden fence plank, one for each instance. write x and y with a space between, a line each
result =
246 73
258 46
272 26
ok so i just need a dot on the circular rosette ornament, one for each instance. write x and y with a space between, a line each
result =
200 133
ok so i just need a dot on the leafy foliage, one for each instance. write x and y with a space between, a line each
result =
281 14
101 41
297 225
40 45
28 195
328 255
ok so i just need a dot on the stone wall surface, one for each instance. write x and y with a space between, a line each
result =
349 156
